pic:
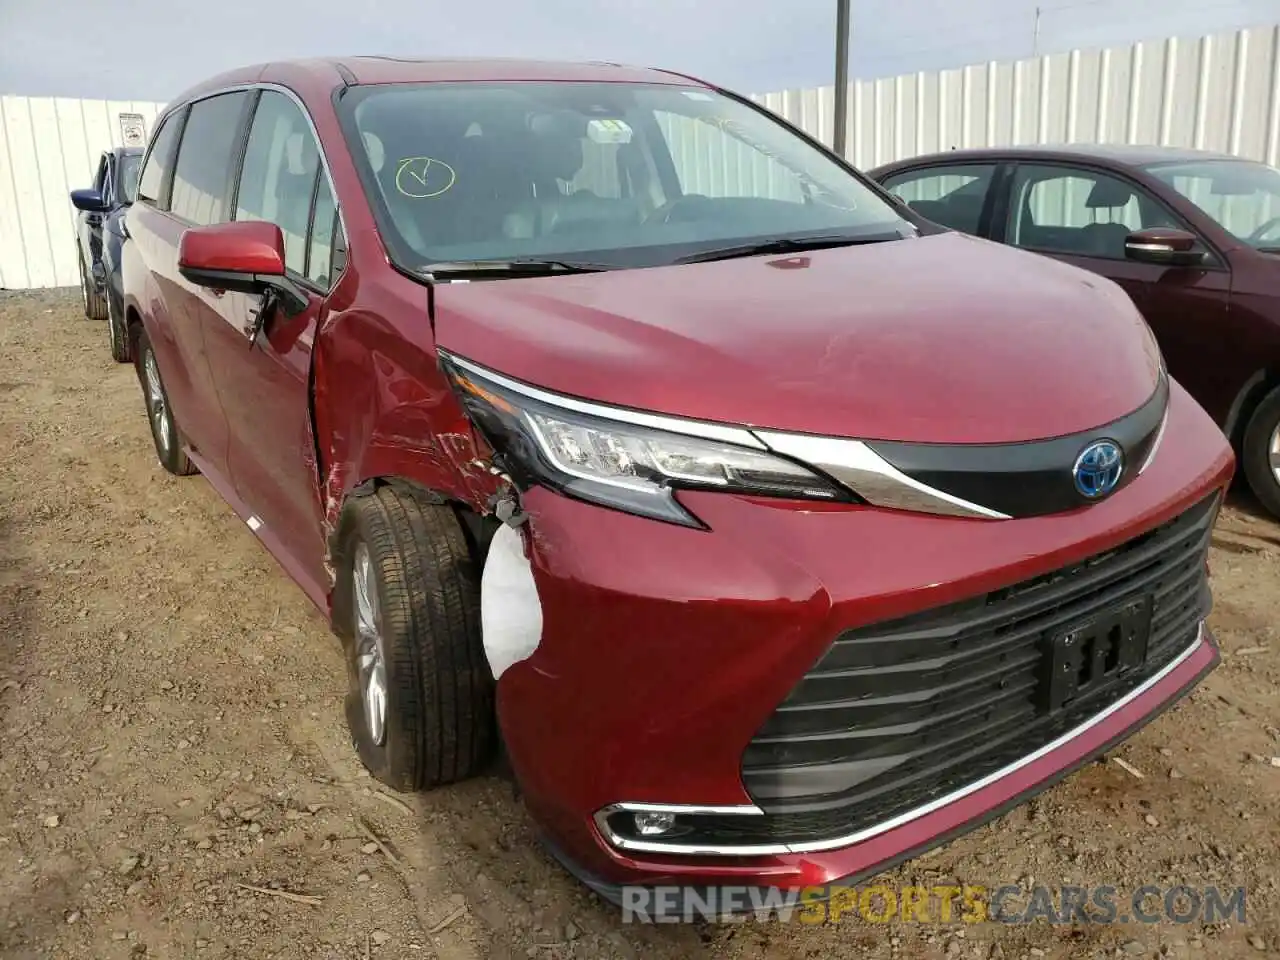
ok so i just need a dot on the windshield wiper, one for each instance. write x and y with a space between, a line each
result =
446 269
1267 249
787 245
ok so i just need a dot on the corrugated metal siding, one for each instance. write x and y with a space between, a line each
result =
1218 92
49 147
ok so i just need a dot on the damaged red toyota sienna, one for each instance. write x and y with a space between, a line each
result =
775 533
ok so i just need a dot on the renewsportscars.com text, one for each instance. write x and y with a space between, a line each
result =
969 904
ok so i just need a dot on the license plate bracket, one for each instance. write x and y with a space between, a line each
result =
1092 652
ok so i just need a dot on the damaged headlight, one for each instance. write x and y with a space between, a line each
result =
624 459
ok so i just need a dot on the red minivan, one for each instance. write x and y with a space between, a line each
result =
775 533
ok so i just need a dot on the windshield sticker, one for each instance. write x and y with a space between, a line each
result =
698 95
609 130
424 177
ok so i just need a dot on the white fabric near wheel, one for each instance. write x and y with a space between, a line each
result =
510 610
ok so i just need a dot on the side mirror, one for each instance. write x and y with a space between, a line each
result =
247 257
1167 246
90 201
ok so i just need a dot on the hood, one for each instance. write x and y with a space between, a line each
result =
940 339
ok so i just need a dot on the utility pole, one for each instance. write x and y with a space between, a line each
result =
842 74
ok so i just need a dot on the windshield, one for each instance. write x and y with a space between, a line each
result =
618 174
129 165
1241 195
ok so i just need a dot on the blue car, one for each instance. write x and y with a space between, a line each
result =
100 233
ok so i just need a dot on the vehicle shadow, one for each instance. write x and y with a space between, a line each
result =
1245 525
525 898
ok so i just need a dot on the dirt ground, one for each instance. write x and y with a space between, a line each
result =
173 761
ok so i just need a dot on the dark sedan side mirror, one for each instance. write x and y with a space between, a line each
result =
90 201
1167 246
247 257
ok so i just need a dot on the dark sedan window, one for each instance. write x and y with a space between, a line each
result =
1078 212
1242 196
100 178
952 195
128 177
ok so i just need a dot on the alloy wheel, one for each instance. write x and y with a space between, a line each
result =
156 401
370 656
1273 453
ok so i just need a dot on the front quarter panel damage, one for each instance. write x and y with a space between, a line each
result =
384 412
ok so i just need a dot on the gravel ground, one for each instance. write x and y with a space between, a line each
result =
176 781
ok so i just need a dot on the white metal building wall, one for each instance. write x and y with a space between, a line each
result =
49 147
1218 92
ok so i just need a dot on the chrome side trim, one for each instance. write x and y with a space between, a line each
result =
776 849
1151 454
870 476
689 428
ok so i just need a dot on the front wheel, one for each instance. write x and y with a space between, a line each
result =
95 304
407 606
1260 452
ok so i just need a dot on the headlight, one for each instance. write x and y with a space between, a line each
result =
631 466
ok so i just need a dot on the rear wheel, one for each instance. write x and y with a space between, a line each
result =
95 304
164 431
1261 452
407 605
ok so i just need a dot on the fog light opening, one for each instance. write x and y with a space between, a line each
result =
654 824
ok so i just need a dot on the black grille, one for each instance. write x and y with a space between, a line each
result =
899 713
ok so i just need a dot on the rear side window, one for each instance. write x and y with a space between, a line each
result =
206 157
159 160
952 196
281 164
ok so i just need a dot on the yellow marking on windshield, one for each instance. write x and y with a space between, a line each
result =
424 177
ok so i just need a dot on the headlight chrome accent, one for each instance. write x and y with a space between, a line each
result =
875 479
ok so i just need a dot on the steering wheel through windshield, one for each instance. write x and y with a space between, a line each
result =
1266 228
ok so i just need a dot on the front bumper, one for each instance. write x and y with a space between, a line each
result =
948 819
666 650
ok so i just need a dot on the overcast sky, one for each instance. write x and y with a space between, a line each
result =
153 49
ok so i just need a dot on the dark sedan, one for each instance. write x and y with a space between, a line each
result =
1194 238
99 235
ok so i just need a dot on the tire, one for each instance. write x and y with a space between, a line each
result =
95 304
119 336
419 639
164 431
1260 437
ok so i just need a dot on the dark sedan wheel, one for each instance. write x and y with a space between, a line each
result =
407 606
164 431
116 331
1261 452
95 304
